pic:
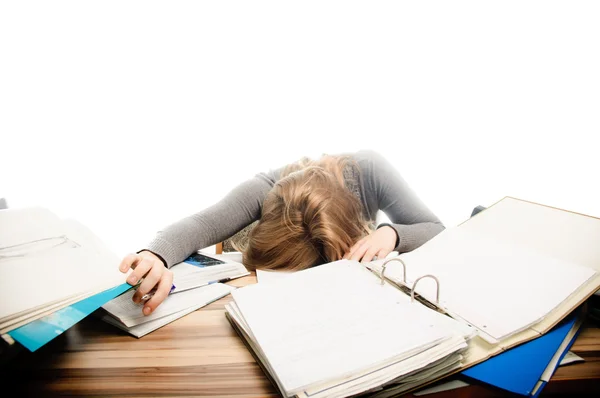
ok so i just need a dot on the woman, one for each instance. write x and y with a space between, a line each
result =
309 212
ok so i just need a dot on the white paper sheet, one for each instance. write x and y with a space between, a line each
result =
130 313
196 298
499 287
270 276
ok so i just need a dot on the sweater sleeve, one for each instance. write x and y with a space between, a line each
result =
384 189
239 208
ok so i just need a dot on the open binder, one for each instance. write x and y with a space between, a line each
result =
513 270
503 277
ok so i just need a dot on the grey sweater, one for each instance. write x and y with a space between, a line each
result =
377 184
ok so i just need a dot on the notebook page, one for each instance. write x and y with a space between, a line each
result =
557 233
498 287
187 276
263 276
144 328
333 320
130 313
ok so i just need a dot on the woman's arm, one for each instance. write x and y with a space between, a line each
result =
236 210
384 189
176 242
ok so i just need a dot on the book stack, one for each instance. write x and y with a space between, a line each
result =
504 277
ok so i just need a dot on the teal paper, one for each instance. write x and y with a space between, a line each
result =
39 332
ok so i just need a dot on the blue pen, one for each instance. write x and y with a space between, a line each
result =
149 295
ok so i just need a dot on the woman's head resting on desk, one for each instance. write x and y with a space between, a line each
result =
313 212
308 218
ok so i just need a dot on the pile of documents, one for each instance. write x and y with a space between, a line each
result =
197 282
335 331
471 300
53 272
523 370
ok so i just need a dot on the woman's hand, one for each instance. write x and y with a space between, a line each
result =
378 244
156 277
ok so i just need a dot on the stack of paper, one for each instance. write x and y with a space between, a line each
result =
55 272
335 331
523 370
47 265
123 313
197 281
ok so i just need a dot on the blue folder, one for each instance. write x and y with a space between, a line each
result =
37 333
519 369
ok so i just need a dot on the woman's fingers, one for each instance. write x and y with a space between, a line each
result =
128 262
360 252
162 291
383 253
370 253
354 248
150 281
378 244
142 267
156 279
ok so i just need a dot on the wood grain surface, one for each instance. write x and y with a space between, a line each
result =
200 355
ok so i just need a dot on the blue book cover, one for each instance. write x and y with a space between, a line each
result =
519 369
39 332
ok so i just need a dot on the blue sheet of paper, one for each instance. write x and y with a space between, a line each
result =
37 333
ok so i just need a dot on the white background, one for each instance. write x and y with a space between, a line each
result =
128 115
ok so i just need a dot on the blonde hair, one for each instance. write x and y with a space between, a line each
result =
308 218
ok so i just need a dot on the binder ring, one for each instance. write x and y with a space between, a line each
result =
437 282
403 267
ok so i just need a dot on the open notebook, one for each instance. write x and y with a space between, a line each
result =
123 313
501 278
197 282
515 267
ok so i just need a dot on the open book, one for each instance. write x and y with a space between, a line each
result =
501 278
197 282
123 313
201 269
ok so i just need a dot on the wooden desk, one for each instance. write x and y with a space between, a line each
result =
199 355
